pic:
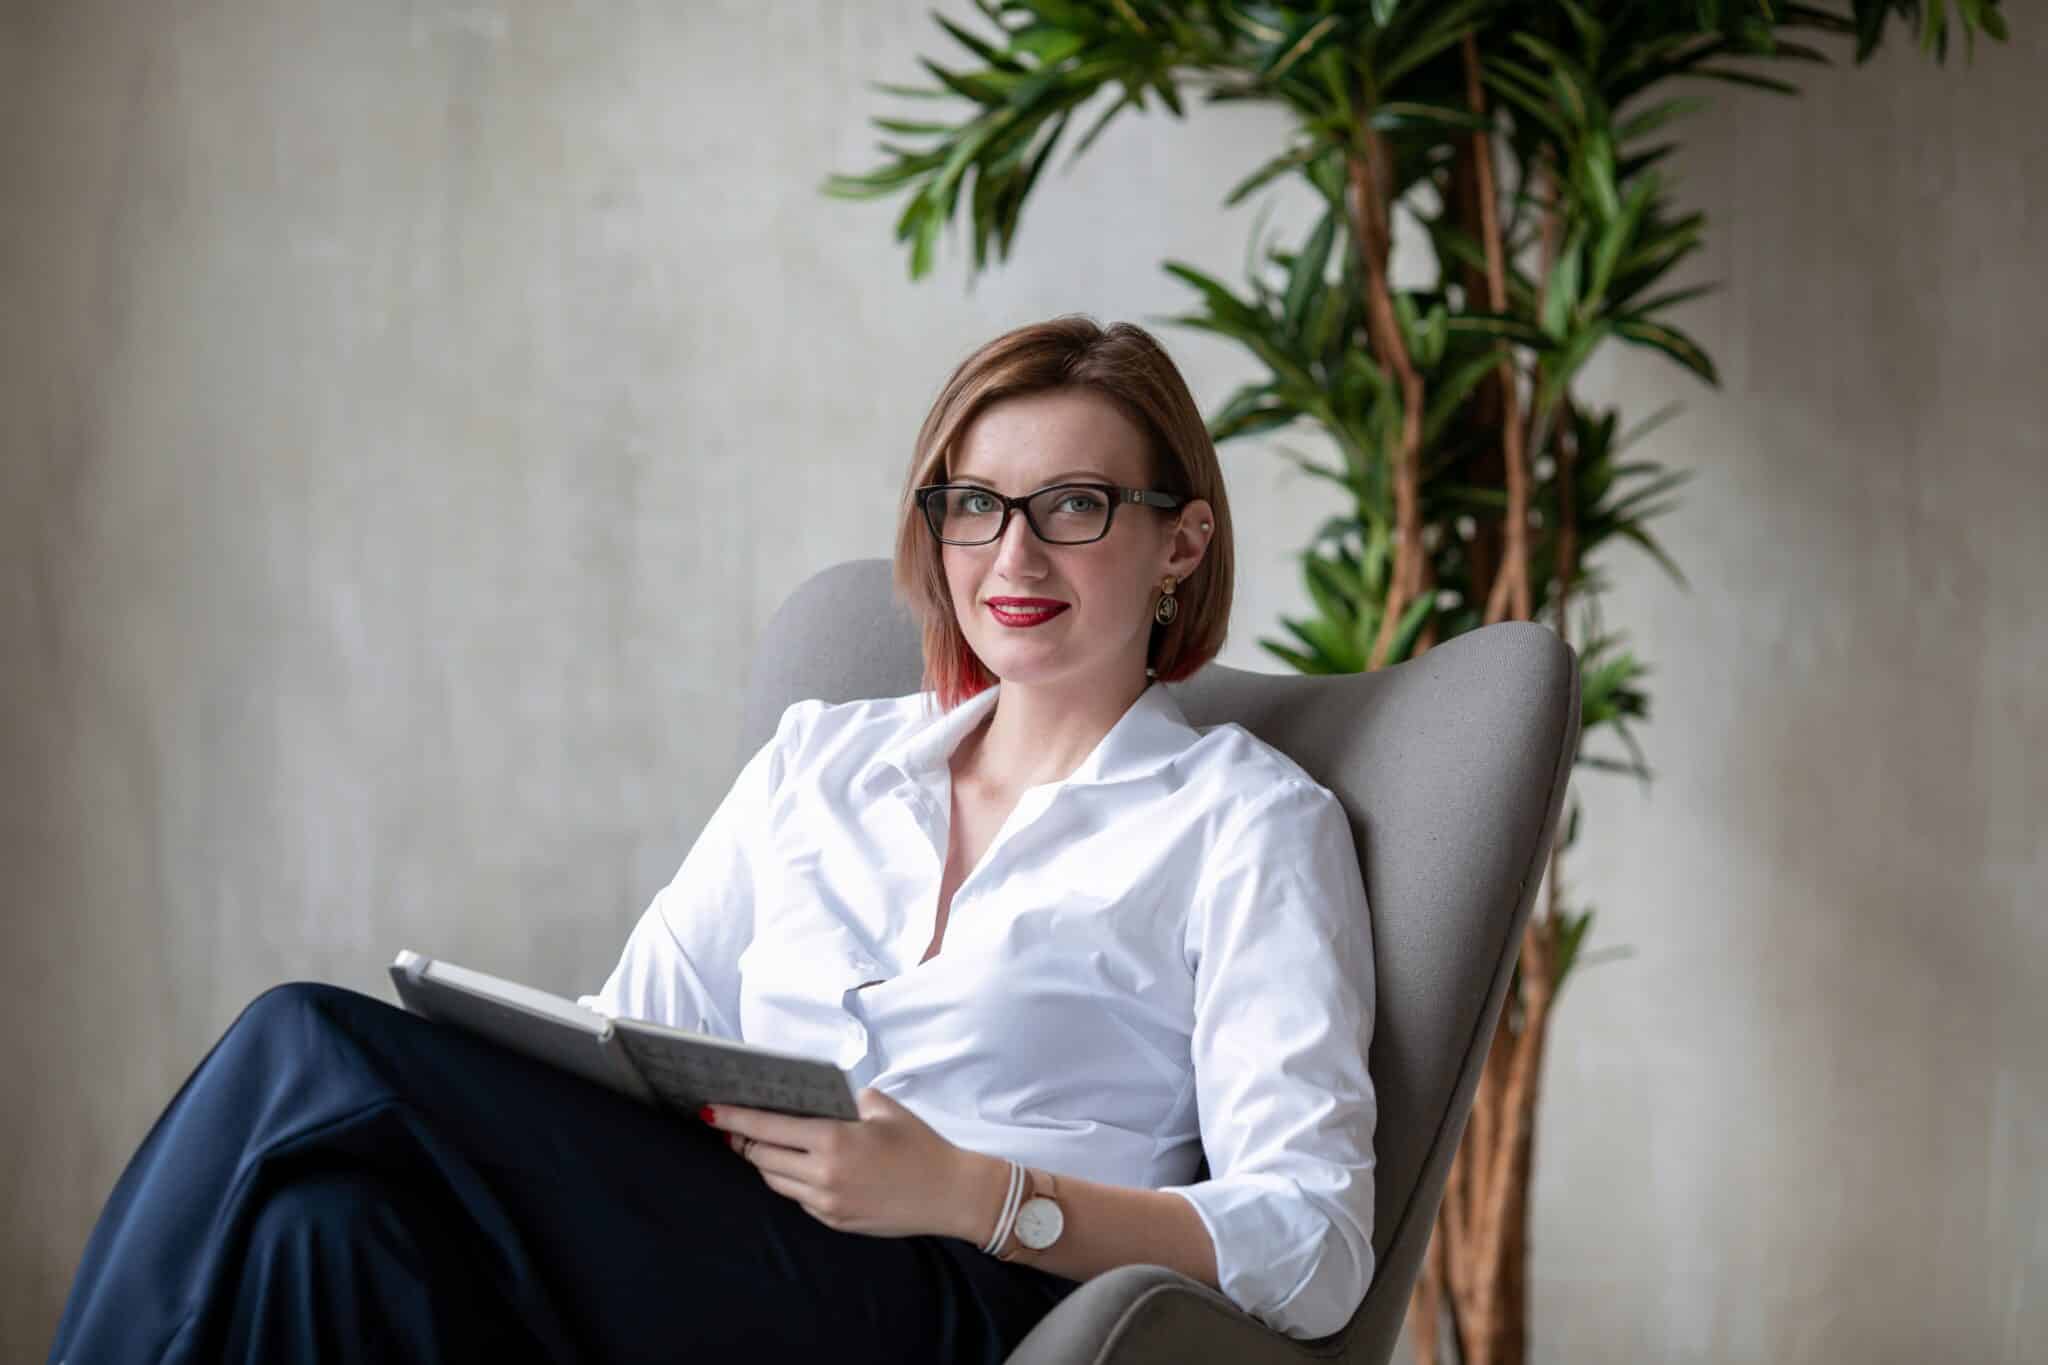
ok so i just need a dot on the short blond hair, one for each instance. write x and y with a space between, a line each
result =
1123 363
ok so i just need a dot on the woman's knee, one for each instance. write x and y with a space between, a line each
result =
296 1004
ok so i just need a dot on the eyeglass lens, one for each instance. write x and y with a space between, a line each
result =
1065 514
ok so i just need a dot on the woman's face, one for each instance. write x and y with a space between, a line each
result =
1017 446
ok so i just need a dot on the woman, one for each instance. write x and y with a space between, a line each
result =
1065 944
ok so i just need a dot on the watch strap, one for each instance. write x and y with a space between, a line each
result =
1037 1184
1013 1196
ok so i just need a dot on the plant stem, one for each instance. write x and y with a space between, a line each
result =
1510 592
1370 184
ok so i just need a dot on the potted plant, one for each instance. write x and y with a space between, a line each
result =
1529 142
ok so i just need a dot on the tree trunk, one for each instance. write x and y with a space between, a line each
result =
1470 1305
1475 1272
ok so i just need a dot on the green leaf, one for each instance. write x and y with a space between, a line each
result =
1655 117
1620 230
1256 421
1330 642
1403 643
1317 469
1782 50
1629 167
1672 342
1658 303
897 125
1407 115
924 241
1592 35
1307 276
1433 335
873 185
1123 102
1300 662
1168 95
1221 301
1527 92
1559 367
1655 551
1505 326
1574 87
1447 24
1643 428
1561 293
915 92
1299 46
1326 312
1476 495
1010 204
982 88
1455 244
1750 78
1332 71
1049 43
1447 396
1660 252
1325 590
1001 61
1595 163
1808 16
1404 313
1272 170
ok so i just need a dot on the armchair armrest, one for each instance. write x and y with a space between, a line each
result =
1149 1315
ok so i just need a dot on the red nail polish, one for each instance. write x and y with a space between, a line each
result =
706 1114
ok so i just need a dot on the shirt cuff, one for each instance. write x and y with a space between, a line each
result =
1279 1257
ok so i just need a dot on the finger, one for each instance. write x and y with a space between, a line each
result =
784 1130
791 1188
786 1162
747 1146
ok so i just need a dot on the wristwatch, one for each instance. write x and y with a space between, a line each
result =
1039 1220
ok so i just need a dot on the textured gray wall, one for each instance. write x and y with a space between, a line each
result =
410 413
1808 1121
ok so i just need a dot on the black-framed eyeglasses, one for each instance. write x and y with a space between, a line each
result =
1061 514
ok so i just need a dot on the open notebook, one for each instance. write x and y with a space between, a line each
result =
651 1062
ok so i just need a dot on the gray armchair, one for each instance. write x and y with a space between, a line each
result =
1453 769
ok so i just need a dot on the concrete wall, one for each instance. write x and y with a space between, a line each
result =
410 413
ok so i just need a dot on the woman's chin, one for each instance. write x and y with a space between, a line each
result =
1017 661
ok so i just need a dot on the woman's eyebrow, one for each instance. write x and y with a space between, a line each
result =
1092 475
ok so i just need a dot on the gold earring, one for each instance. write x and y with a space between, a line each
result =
1169 605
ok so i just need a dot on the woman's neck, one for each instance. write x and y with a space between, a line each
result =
1038 735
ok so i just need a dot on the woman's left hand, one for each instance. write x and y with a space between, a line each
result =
887 1174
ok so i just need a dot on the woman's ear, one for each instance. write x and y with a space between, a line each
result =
1192 532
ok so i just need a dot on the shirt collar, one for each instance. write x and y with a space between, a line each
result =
1152 731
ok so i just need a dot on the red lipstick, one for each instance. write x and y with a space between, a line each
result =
1024 612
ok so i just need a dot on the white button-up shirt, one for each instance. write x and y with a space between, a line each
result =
1164 955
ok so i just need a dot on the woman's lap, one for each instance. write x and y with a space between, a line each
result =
598 1228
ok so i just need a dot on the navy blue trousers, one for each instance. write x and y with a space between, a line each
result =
342 1180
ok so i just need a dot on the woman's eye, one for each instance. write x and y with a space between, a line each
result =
967 502
1088 502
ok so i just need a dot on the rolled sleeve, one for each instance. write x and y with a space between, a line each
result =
1281 948
680 963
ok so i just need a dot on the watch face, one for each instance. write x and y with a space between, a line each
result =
1039 1223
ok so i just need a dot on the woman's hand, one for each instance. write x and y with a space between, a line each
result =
887 1174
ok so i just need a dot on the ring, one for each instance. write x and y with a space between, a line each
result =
746 1146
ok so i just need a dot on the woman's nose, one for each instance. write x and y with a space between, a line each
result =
1019 546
